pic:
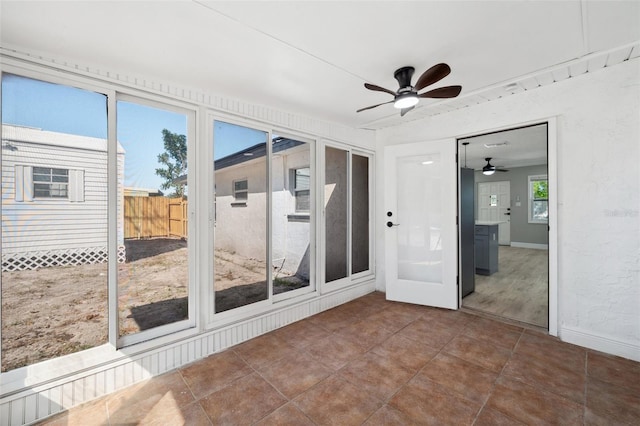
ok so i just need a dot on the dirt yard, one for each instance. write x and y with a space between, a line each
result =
55 311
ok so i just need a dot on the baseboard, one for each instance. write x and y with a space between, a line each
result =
600 343
530 245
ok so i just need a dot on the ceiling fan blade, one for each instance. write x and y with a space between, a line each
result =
403 111
379 89
373 106
500 170
432 75
442 92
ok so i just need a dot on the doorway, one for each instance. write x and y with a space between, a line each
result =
508 192
494 205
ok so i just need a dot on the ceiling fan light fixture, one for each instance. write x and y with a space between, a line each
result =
406 100
488 170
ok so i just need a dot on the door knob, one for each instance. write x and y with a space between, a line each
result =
391 224
507 214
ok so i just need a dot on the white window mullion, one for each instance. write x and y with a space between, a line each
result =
269 203
112 215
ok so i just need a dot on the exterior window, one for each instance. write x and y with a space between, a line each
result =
538 199
240 191
54 239
50 183
301 190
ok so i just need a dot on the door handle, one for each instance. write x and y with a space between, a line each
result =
391 224
507 214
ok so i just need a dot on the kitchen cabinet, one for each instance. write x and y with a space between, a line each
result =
486 248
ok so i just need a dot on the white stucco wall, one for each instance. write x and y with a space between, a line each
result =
243 229
598 156
290 236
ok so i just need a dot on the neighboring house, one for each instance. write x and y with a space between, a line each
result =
241 186
54 199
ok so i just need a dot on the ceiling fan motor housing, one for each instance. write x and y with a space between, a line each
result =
403 75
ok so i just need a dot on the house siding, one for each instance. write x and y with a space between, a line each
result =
44 227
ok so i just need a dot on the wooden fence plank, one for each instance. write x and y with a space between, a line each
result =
151 217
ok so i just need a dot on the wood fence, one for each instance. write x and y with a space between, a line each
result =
149 217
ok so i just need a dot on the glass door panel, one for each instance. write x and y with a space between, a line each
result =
420 217
291 193
153 275
240 225
54 220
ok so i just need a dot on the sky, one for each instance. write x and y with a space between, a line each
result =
64 109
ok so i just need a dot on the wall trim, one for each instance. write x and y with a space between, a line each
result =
530 245
41 401
600 342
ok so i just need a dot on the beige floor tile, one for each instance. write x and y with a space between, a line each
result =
245 401
337 402
214 372
532 405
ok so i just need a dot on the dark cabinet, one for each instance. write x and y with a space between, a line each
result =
486 249
467 221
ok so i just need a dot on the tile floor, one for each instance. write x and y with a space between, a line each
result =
376 362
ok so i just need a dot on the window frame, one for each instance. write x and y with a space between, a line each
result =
50 183
350 278
296 190
240 201
179 328
531 179
201 215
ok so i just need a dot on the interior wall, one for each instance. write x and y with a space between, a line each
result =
521 230
598 158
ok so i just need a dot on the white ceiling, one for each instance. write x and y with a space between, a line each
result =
312 57
526 146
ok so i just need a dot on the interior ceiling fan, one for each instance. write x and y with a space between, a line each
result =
407 96
488 169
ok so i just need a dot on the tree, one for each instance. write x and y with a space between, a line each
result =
175 161
540 190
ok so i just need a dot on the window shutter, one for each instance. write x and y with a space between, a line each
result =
76 186
19 183
27 183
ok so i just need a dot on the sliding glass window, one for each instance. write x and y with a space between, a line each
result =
153 193
291 230
240 228
54 220
347 206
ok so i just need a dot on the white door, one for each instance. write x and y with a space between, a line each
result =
420 223
494 205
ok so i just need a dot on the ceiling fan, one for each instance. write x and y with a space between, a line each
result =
407 96
488 169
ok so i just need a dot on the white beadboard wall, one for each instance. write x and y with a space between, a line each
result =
34 403
39 402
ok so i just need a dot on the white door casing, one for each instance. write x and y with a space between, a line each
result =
494 205
421 237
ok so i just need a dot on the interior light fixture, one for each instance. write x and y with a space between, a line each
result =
427 162
488 170
406 100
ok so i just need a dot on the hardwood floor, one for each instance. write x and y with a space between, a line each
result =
519 290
